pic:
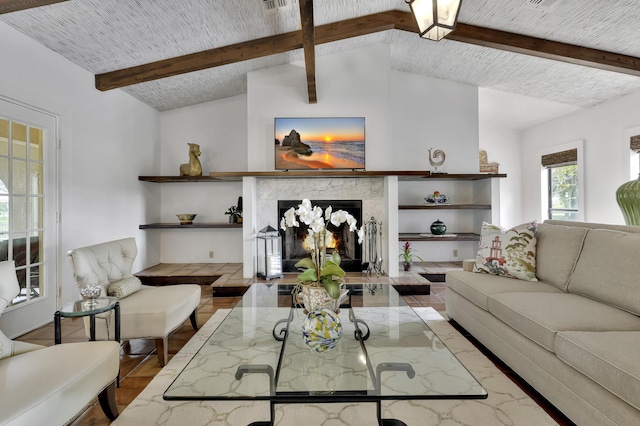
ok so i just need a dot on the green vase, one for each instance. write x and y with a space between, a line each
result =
628 197
438 228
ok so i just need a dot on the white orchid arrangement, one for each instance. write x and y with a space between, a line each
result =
320 269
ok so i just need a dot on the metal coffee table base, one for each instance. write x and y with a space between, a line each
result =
381 421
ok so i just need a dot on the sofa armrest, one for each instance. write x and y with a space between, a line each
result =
468 264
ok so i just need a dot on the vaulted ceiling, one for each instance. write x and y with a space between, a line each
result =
105 36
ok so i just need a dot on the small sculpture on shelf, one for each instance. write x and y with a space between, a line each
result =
485 165
235 212
438 153
193 167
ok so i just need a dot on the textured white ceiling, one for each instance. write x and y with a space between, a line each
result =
106 35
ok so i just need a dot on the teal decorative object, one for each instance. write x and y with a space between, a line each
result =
438 227
628 197
322 330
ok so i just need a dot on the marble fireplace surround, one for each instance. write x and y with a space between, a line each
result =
264 194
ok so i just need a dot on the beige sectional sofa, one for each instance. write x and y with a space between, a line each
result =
574 334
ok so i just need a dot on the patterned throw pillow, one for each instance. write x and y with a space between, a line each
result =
124 287
509 253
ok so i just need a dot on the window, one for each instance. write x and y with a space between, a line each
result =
22 204
562 185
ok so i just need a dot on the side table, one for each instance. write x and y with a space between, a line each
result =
80 308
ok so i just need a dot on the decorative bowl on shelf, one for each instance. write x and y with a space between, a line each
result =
186 218
436 198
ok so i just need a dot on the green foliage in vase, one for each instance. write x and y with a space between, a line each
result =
408 253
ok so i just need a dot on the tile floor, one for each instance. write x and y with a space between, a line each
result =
139 363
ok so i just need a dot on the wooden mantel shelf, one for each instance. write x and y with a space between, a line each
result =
198 225
402 175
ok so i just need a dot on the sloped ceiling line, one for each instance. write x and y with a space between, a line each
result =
8 6
355 27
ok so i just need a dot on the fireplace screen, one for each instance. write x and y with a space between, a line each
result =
294 239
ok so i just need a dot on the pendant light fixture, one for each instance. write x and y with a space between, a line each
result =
435 18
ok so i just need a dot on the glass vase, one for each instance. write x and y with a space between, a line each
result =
628 197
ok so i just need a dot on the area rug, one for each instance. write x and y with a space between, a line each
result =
507 404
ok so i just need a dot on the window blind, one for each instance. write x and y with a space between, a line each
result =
635 143
563 158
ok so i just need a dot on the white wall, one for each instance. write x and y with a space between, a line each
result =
431 113
349 84
220 128
108 139
606 155
503 147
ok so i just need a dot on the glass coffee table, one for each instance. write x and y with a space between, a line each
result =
386 352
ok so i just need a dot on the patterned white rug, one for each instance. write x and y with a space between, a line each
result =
507 404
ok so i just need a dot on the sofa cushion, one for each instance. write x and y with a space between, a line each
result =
609 358
557 252
151 312
608 269
53 384
124 287
539 316
510 253
479 287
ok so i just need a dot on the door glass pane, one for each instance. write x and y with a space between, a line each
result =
20 249
36 248
19 139
4 175
35 143
4 247
4 136
36 216
4 214
35 178
21 274
19 213
564 187
36 282
19 175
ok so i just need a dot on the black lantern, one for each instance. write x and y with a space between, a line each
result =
269 256
435 18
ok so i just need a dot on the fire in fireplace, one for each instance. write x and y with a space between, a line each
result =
294 247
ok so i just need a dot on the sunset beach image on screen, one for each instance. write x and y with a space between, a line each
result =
319 143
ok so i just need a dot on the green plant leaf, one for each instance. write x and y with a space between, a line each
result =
308 275
305 263
332 287
335 258
332 270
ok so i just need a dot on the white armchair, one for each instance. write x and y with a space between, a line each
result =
52 385
146 312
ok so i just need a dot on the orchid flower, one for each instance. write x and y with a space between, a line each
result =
320 268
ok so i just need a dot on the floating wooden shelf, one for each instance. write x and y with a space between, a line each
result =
402 175
445 207
192 226
459 237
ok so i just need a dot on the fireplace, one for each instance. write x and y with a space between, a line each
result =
345 242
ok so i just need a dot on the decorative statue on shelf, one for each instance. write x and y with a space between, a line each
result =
438 153
193 167
485 165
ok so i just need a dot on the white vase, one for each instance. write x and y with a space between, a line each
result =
316 297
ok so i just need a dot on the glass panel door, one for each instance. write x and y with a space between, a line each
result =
27 218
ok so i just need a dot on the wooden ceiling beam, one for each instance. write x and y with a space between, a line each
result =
390 20
8 6
547 49
308 45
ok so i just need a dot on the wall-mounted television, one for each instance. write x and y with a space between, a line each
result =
319 143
